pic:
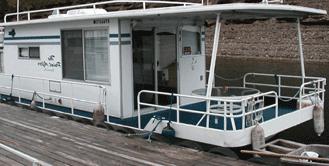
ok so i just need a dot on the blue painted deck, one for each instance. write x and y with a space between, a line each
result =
193 119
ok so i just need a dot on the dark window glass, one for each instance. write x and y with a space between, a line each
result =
34 52
72 52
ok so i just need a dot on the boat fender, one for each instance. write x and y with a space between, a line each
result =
318 119
309 102
304 103
257 137
98 115
33 104
168 131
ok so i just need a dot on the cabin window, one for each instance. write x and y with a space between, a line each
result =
191 43
29 52
96 55
72 54
85 55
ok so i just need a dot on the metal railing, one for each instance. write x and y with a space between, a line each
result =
318 92
58 10
17 90
271 1
179 108
307 87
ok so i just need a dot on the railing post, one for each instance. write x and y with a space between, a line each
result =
43 103
72 107
19 92
72 102
178 107
207 111
276 106
139 111
144 5
300 96
43 91
323 88
243 114
244 80
279 86
225 120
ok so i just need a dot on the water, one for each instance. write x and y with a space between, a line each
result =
231 68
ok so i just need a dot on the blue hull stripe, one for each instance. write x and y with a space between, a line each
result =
32 37
123 35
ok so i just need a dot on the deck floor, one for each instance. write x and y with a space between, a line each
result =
59 141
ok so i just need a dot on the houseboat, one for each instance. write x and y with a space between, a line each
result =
145 68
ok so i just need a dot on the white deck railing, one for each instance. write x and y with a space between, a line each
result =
272 1
24 87
60 10
310 86
178 107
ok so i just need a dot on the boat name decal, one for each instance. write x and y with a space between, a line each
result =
12 33
50 64
102 21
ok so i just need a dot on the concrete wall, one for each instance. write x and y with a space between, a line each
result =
275 39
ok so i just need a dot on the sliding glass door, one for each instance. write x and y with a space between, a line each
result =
143 64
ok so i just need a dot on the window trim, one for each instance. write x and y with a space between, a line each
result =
28 50
106 28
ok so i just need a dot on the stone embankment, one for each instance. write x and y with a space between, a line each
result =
275 39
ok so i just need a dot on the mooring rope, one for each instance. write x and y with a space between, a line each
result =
38 95
147 133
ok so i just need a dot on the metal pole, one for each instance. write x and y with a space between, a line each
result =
213 65
300 50
213 56
17 10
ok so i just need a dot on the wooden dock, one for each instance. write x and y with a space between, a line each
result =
57 141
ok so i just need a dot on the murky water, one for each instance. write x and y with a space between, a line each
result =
232 68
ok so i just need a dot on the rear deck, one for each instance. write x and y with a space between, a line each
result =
59 141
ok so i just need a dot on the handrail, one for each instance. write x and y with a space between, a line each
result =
94 6
279 75
99 99
318 90
205 98
279 83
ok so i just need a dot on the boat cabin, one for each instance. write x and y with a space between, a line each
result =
148 65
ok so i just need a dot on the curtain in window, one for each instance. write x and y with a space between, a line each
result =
34 52
96 55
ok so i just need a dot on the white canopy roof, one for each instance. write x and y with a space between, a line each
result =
228 11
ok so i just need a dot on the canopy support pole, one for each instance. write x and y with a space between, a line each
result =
300 50
17 5
213 56
213 63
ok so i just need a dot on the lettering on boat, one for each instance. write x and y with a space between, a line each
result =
50 64
102 21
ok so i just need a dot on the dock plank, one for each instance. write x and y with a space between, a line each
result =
64 142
